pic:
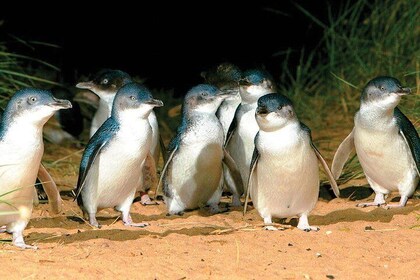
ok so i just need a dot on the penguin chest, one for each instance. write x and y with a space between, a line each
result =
385 157
196 169
118 170
285 182
241 146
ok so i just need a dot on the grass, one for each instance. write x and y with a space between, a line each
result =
14 73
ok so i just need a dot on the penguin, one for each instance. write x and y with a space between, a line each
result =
240 137
386 143
225 76
22 147
111 165
284 175
192 176
105 84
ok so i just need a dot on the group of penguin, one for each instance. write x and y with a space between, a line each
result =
236 133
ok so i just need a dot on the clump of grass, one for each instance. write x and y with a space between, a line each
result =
14 73
364 39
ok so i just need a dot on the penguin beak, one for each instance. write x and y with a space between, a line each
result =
262 111
228 92
85 85
403 91
154 103
60 104
244 82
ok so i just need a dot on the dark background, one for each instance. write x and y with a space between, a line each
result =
168 44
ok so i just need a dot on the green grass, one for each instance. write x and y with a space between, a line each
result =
364 39
14 73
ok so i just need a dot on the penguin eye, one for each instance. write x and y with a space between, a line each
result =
204 94
382 88
280 107
32 100
132 97
105 81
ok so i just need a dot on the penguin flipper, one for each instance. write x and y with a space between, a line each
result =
342 154
93 148
234 171
410 135
165 168
327 170
232 126
50 188
254 162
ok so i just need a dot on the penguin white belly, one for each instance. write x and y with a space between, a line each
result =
196 169
386 160
19 167
286 180
241 146
118 169
154 147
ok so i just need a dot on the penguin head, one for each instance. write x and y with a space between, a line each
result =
384 92
106 83
34 106
224 76
274 111
205 98
254 84
134 101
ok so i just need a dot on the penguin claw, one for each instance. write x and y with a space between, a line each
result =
271 228
145 200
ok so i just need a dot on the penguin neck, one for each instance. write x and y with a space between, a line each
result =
374 116
105 105
24 132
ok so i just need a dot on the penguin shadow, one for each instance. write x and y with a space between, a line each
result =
352 193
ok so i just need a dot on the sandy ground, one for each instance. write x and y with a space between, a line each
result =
352 243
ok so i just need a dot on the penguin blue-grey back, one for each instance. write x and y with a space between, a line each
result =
386 142
112 163
21 147
284 176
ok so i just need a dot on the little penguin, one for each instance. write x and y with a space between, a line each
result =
225 76
386 142
192 176
105 84
21 149
240 138
284 175
111 166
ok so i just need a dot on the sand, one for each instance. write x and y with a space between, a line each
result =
353 243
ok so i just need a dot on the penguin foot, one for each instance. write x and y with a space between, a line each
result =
141 225
272 228
93 222
146 200
368 204
175 213
215 209
390 206
236 202
3 229
308 228
25 246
